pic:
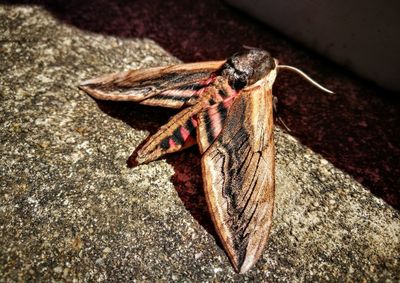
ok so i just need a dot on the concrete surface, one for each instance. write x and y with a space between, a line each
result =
72 209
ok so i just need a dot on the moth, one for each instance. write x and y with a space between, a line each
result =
227 109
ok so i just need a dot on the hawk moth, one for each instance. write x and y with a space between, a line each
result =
227 109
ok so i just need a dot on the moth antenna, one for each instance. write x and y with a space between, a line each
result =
305 76
248 47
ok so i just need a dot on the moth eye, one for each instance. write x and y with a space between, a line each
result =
239 84
240 81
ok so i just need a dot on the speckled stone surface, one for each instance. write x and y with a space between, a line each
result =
72 208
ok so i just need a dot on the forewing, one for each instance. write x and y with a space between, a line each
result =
170 86
238 175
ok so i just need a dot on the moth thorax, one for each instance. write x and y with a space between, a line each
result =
246 68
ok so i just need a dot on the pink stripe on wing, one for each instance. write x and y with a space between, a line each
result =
194 121
231 91
228 102
184 133
217 115
172 144
215 118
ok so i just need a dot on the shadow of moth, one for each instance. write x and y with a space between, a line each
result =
227 109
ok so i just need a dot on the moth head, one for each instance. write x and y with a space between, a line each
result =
248 67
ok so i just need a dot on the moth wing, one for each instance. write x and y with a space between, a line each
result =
170 86
180 131
177 134
210 123
238 175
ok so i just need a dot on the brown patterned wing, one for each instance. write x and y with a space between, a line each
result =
238 174
210 123
171 86
177 134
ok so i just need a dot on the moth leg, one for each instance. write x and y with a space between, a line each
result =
275 103
278 117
